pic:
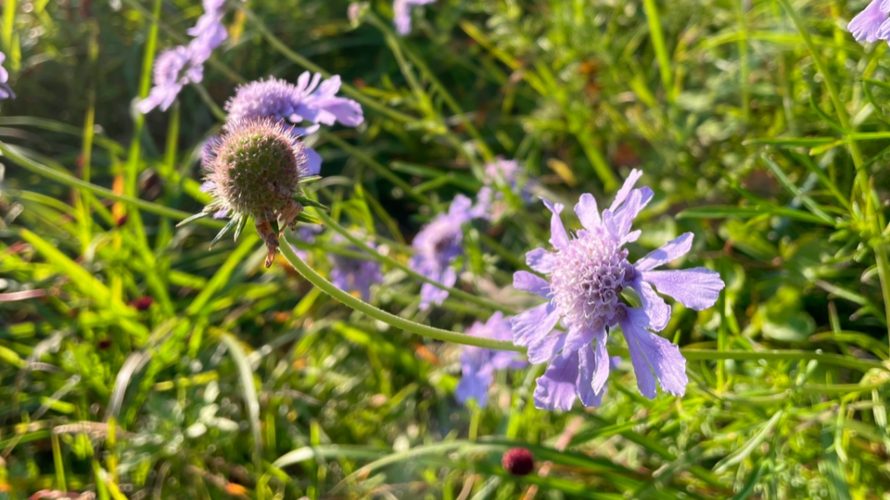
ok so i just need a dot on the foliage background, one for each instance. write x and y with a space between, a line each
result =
761 126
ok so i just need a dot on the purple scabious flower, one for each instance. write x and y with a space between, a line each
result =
872 23
586 274
5 90
402 14
352 274
312 100
437 246
184 64
479 364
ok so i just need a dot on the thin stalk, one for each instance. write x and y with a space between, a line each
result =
381 315
330 222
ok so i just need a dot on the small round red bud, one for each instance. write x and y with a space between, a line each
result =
518 461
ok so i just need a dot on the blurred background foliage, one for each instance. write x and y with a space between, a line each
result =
135 361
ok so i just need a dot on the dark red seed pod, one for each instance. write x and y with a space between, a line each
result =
518 461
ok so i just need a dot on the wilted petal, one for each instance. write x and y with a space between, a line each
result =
556 388
653 357
697 288
674 249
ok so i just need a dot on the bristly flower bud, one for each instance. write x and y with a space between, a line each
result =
255 169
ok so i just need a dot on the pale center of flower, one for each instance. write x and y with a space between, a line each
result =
589 275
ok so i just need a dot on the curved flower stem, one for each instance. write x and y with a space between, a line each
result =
381 315
488 304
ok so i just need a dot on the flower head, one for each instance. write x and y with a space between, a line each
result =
255 169
184 64
437 246
5 90
312 100
479 364
586 275
872 23
402 14
350 273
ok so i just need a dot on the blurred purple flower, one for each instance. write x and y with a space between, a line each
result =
184 64
5 90
173 69
436 247
352 274
872 23
501 174
479 364
402 14
586 274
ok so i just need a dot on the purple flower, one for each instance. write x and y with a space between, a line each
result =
479 364
436 247
312 100
500 175
586 275
5 90
173 69
353 274
871 24
184 64
402 14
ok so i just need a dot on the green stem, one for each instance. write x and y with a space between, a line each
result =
381 315
330 222
782 355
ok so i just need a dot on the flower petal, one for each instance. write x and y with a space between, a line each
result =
656 308
587 211
556 388
529 326
579 337
653 357
558 236
593 373
697 288
540 260
526 281
313 163
474 385
625 190
545 348
672 250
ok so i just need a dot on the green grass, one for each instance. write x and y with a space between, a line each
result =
761 126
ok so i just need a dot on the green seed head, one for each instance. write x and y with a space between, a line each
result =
255 167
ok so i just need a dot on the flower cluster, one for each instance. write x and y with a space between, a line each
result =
5 90
588 275
479 364
402 14
310 103
437 246
873 23
184 64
